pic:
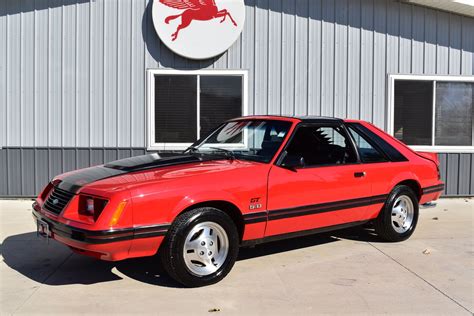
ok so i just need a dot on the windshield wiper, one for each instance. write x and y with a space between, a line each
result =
191 149
228 153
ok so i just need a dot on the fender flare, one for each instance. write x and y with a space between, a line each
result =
203 197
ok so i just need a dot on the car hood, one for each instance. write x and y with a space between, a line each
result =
124 173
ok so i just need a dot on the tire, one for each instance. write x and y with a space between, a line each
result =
202 231
390 224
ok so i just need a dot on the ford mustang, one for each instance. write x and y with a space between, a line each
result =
251 180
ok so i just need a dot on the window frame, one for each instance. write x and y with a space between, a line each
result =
351 131
434 79
281 156
152 145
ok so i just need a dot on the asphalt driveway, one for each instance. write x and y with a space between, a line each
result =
348 271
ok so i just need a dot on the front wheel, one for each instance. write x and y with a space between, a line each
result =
398 218
201 247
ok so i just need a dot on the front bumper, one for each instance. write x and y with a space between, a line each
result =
111 244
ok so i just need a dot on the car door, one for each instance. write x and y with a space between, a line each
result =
384 165
317 182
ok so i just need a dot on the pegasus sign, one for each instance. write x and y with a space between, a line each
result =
198 29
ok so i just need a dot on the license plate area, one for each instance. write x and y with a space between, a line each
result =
43 229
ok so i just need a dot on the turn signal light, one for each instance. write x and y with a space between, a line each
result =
118 212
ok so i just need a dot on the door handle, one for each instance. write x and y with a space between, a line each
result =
359 174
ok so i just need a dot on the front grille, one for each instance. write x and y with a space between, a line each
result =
57 200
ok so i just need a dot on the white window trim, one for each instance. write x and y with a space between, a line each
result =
150 80
434 78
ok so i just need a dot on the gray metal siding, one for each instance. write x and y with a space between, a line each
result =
25 171
72 72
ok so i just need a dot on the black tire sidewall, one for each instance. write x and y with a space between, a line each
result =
206 214
387 214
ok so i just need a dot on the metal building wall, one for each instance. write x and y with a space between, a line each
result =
72 73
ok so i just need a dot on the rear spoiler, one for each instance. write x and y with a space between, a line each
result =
430 156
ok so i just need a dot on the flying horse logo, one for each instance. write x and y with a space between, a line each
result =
201 10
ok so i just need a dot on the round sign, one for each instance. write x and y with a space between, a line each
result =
198 29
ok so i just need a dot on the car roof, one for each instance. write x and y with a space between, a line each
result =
304 119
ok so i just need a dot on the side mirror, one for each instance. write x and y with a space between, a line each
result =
292 162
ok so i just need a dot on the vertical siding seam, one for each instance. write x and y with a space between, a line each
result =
347 58
90 75
35 110
7 174
321 61
373 61
117 76
268 58
446 183
21 171
386 96
6 83
295 56
461 48
471 189
103 74
62 74
398 40
360 62
48 79
49 165
254 59
281 58
411 38
130 142
436 46
35 171
308 59
334 31
449 44
21 75
458 175
424 40
145 84
76 77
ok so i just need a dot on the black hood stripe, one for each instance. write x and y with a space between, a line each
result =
74 182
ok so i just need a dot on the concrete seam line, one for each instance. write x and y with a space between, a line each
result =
420 277
42 283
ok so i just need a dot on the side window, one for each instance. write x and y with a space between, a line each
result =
321 145
367 152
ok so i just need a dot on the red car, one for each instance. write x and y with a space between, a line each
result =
253 179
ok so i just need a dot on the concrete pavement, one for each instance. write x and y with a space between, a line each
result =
344 272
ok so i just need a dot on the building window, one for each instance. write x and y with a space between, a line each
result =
433 113
184 106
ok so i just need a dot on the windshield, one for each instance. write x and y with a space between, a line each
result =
256 140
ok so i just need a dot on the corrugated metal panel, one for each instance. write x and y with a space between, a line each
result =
380 67
27 170
442 38
457 170
72 71
354 58
75 74
288 58
429 62
366 59
3 75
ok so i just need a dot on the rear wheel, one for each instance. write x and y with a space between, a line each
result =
201 247
399 216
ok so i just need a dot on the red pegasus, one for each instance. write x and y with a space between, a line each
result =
202 10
